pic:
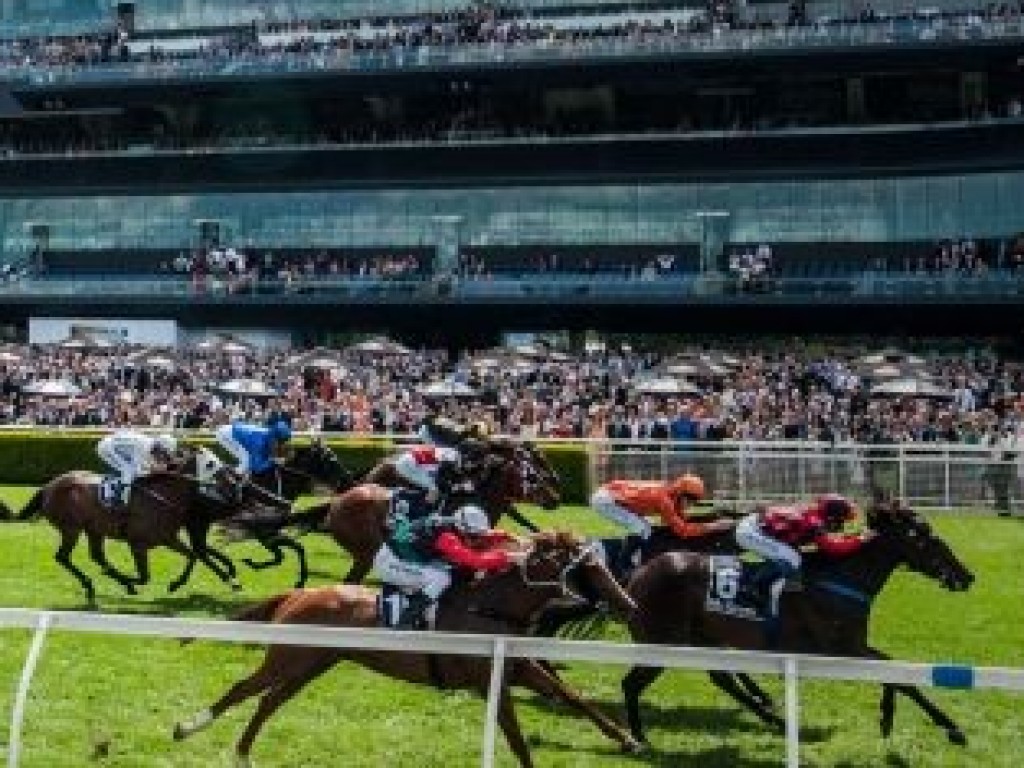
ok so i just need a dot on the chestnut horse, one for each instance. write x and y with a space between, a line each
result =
829 615
502 604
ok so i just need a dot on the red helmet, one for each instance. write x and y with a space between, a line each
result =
836 508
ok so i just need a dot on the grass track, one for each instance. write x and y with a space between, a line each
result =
110 701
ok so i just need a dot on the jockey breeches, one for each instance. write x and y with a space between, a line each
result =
603 502
419 475
750 536
238 451
432 579
123 456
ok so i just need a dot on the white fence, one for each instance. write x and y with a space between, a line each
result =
791 667
925 474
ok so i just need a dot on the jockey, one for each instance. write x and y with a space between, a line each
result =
418 555
777 532
133 455
629 503
433 467
252 446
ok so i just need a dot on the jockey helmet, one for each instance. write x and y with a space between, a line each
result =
472 519
837 509
281 430
166 444
689 486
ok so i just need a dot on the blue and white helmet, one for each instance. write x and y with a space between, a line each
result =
472 519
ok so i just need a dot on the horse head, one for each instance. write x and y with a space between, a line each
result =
321 464
917 545
564 561
539 477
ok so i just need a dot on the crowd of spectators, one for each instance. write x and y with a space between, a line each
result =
745 393
474 26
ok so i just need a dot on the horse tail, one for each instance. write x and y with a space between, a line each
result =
262 611
34 507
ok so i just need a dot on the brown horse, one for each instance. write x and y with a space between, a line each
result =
161 505
356 519
540 482
829 615
500 605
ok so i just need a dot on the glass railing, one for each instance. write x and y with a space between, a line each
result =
997 284
897 32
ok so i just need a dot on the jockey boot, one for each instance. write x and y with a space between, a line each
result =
415 614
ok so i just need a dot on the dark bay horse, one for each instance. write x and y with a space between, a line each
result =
162 505
308 469
541 482
501 604
829 615
357 518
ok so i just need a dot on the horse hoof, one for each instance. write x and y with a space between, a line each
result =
235 586
178 734
957 737
886 726
251 563
634 747
173 587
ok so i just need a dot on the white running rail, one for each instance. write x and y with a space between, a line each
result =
791 667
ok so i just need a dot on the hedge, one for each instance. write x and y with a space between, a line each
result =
33 458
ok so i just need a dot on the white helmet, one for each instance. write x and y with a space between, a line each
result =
165 443
472 519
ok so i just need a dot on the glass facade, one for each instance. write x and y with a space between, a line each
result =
893 209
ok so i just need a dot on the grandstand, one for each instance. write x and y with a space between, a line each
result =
478 160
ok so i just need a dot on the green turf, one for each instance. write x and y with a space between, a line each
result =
111 701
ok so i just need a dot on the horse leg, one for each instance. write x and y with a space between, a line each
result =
361 566
634 684
100 558
204 557
937 716
271 546
226 562
300 553
755 690
140 554
274 698
727 683
510 727
533 676
186 574
68 540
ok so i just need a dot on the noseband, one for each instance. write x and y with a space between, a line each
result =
562 582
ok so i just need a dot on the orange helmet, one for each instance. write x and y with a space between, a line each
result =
690 486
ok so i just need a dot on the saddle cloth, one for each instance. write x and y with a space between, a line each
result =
391 604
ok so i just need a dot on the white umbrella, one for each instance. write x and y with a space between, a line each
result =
667 387
694 367
86 342
911 388
380 347
247 388
321 359
52 388
9 357
892 357
447 389
225 345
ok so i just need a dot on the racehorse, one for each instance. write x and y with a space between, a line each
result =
537 472
498 605
356 519
829 615
309 468
161 505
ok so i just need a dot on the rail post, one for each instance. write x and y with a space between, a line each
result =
21 695
494 701
792 713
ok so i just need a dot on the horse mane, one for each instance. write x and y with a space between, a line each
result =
556 540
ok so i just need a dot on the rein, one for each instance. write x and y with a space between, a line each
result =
562 581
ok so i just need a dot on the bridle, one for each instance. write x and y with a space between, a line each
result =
562 581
